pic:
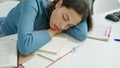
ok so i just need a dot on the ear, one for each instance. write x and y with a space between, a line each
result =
59 4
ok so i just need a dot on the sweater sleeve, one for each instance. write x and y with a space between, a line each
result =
79 31
28 40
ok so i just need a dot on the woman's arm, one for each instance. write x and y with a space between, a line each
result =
79 31
28 39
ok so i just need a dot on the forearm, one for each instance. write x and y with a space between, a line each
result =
78 32
30 42
33 41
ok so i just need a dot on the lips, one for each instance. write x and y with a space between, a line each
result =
56 28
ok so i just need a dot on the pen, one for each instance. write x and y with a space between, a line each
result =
108 31
45 57
73 49
59 59
117 40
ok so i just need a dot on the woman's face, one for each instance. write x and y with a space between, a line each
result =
63 18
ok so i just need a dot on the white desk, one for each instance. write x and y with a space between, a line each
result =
91 54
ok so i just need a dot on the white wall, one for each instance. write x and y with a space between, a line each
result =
5 7
105 5
4 0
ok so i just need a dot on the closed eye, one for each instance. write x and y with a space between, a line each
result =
65 17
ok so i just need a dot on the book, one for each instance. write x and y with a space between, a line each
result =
8 54
54 45
66 47
100 32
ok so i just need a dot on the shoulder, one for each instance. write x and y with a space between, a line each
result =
33 3
28 2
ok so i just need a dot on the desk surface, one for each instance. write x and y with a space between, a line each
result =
91 54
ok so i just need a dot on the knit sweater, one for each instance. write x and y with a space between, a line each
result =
28 17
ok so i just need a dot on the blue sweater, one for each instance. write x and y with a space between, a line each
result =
29 16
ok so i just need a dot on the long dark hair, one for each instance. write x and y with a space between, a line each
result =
80 6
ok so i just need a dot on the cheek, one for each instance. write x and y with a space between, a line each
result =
56 19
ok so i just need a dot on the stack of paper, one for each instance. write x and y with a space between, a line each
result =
8 54
56 48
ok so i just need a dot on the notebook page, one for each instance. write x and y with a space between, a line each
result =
8 54
99 32
4 54
54 45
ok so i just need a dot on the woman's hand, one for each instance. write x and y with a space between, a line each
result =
53 32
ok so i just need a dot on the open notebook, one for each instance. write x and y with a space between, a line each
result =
100 32
8 54
54 45
59 45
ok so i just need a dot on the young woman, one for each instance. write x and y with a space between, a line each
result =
37 21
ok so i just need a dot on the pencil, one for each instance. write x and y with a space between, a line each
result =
45 57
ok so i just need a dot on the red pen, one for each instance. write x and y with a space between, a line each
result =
58 59
108 31
73 49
